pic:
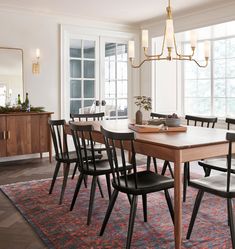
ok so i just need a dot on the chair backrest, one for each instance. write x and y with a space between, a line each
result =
87 116
230 121
59 138
120 140
81 134
202 120
231 138
157 115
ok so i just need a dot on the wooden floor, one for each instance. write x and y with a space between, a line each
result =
15 232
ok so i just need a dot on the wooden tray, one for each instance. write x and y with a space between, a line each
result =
154 128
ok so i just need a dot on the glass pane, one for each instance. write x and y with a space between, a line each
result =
89 49
230 72
75 106
231 107
198 106
89 88
219 68
75 69
190 70
231 87
204 88
204 73
122 52
75 48
110 89
88 102
75 88
231 48
122 70
219 107
219 88
89 69
110 108
190 88
122 89
199 51
122 107
110 50
219 49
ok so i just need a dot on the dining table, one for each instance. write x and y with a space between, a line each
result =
194 143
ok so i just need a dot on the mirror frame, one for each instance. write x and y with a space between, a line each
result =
22 58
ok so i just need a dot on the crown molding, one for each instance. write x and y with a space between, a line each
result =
209 15
69 18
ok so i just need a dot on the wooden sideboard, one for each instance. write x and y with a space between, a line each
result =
24 133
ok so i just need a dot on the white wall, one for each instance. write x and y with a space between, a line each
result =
167 82
30 31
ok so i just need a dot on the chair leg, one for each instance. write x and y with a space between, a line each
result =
185 184
144 200
164 167
92 198
231 221
195 211
75 169
155 164
85 180
54 177
100 188
148 162
170 206
109 211
108 185
66 174
131 220
79 182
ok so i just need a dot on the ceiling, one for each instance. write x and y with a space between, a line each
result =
118 11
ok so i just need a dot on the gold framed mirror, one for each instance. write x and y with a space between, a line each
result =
11 75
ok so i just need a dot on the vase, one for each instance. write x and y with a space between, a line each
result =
138 117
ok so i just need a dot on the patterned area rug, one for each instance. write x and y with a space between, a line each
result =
60 228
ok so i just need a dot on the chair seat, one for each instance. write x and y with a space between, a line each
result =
219 164
216 184
97 147
102 167
147 181
73 157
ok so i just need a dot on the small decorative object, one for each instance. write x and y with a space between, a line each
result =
142 102
173 120
36 65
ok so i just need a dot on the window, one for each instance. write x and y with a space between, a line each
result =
211 90
115 87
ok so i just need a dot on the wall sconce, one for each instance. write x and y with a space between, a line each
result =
36 65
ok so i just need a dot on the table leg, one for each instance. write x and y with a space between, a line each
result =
178 204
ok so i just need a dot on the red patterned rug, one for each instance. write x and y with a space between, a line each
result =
60 228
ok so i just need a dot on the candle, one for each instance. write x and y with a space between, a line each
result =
169 33
145 38
10 92
193 36
207 49
131 49
38 53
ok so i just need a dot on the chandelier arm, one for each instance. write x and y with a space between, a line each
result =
183 55
148 59
199 64
150 56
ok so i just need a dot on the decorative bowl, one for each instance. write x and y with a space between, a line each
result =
173 122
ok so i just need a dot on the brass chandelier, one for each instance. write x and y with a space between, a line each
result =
170 42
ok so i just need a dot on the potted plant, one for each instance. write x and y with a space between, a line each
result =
142 102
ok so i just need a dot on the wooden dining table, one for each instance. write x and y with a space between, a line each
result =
178 147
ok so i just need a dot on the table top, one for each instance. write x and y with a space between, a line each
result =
193 137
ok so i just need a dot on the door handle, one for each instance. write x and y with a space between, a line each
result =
8 134
4 135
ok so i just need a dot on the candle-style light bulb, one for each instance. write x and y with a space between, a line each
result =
193 38
145 38
207 49
169 33
131 49
38 53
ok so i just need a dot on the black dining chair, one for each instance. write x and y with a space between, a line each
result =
195 121
134 184
222 185
155 115
89 166
99 148
219 164
62 154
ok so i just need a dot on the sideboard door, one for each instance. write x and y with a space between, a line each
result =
3 143
19 135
